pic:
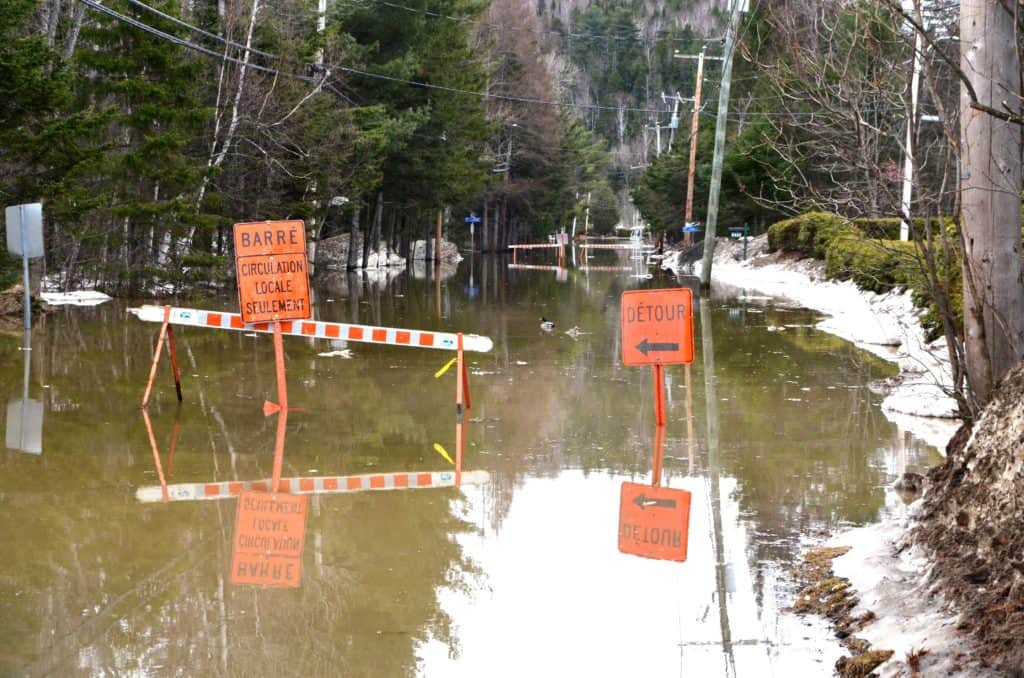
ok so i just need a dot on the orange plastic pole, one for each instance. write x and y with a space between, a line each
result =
282 421
282 406
460 386
659 394
156 355
659 456
174 357
156 455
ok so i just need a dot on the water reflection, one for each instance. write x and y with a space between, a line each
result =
25 415
520 574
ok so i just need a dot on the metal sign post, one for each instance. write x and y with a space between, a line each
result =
25 239
472 220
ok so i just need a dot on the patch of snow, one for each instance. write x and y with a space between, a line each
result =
343 353
79 298
886 325
890 582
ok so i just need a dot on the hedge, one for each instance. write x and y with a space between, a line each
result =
808 234
872 263
888 228
869 252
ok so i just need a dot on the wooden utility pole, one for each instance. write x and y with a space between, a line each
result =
990 190
694 125
716 164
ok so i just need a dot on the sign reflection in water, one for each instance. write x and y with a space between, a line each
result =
25 415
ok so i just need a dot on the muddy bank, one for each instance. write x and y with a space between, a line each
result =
971 524
12 309
943 585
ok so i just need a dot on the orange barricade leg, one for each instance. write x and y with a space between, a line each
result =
659 456
174 358
174 444
156 356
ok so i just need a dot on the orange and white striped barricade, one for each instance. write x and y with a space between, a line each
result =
370 482
392 336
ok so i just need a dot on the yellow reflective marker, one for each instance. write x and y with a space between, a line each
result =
440 372
443 452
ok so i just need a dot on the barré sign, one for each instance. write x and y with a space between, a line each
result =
270 529
273 276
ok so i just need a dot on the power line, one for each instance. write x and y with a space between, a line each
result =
326 69
354 71
213 36
638 37
92 4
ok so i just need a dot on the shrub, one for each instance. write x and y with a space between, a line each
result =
887 228
869 252
873 264
10 270
808 234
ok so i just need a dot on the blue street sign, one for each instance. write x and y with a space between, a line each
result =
472 218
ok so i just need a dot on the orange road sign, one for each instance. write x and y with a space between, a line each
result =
657 327
272 271
654 522
270 529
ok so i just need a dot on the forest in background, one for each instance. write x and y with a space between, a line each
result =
147 129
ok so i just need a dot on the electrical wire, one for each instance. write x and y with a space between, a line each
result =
212 36
638 37
325 68
92 4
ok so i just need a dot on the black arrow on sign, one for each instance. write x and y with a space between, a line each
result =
643 502
645 346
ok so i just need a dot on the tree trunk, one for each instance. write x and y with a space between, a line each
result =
502 226
71 41
218 148
373 234
427 249
991 213
353 239
483 229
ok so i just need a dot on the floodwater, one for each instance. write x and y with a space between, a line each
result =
774 430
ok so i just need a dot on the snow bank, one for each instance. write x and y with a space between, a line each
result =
79 298
886 325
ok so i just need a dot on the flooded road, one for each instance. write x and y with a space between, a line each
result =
774 430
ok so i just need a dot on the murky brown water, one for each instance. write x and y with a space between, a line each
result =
519 576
